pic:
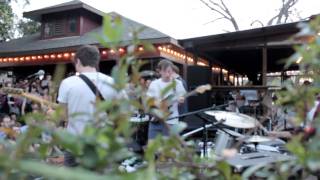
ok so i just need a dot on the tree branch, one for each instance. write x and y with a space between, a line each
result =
284 12
213 9
223 10
257 21
214 20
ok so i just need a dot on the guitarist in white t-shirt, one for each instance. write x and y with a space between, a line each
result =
76 96
155 90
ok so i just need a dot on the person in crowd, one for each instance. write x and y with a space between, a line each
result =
46 82
6 127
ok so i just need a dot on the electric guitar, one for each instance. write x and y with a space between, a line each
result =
167 102
198 90
32 97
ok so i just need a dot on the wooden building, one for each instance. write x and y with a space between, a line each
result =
67 26
253 53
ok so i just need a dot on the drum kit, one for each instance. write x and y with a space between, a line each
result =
251 149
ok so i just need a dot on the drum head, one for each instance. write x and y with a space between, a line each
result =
138 119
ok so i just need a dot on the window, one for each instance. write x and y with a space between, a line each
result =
48 29
72 25
59 28
54 28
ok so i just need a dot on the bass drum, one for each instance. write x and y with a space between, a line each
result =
223 141
140 123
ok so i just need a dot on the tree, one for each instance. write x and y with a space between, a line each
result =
219 6
8 27
27 27
6 21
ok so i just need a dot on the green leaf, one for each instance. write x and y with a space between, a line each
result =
165 91
225 168
55 172
296 147
178 128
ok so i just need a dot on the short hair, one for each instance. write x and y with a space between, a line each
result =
164 64
176 69
88 55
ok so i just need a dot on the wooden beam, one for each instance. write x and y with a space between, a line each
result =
264 66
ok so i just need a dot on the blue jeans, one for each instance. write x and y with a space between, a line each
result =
156 128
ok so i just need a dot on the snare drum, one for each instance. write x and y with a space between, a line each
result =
276 145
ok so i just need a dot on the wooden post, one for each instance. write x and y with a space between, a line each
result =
264 65
185 68
221 77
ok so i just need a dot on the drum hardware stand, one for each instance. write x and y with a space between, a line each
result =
205 133
205 126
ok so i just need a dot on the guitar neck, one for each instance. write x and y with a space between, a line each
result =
39 100
191 93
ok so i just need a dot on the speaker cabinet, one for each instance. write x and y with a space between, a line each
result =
196 76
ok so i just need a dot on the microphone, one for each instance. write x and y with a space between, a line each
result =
40 74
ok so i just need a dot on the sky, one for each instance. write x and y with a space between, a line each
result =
183 19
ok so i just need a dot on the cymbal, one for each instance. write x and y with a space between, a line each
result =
232 119
256 139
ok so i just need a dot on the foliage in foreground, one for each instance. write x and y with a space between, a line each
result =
104 144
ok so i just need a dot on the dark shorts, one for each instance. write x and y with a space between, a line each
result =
69 160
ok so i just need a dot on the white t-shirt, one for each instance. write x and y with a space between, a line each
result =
155 89
80 99
312 112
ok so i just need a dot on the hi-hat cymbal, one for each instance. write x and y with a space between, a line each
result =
232 119
256 139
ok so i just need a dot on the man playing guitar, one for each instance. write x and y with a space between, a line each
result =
156 90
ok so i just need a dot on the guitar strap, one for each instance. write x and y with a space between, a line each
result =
93 87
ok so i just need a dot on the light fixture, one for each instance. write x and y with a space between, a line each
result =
28 58
40 57
33 57
66 55
121 50
52 56
104 52
299 59
111 51
46 56
160 48
59 56
16 59
73 54
21 58
140 48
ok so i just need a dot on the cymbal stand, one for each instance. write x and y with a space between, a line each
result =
205 134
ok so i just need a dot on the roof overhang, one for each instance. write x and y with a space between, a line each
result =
73 5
